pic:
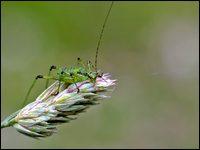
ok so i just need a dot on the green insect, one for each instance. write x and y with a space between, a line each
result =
74 74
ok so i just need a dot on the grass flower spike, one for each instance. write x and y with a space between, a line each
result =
52 108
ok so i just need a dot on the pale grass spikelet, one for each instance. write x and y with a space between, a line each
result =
41 117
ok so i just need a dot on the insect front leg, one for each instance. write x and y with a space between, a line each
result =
89 67
52 67
79 60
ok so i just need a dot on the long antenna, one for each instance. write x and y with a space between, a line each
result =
101 36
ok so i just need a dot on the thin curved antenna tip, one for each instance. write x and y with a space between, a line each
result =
101 36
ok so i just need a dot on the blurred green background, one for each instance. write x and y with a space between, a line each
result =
151 48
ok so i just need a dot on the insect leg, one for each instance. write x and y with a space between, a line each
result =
72 75
79 60
100 76
39 76
52 67
90 65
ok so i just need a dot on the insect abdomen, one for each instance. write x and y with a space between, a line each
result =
78 74
70 69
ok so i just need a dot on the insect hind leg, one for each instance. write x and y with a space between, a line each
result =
50 70
30 89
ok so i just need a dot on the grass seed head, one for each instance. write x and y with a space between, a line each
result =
52 108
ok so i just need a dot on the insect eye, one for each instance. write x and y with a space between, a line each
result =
91 77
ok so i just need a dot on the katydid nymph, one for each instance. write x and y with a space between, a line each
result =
74 74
